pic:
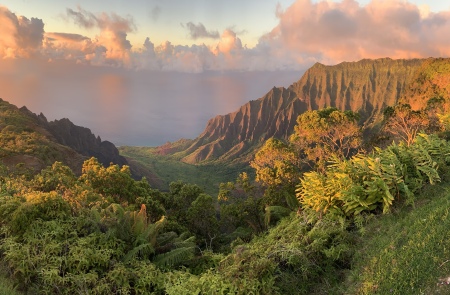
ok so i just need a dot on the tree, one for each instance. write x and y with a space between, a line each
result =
56 177
201 218
241 205
112 182
276 164
404 124
180 197
322 133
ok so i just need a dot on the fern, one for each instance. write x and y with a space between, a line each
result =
370 182
275 213
174 257
146 248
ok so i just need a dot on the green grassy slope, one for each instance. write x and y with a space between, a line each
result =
407 252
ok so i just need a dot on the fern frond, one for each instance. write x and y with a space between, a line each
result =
174 257
146 248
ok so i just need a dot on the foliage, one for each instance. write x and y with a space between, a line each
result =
105 233
241 205
276 164
373 182
58 177
114 182
404 124
67 235
322 133
293 257
201 218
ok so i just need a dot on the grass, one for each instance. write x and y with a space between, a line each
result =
207 176
6 285
406 252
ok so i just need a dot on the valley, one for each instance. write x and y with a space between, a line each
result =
309 189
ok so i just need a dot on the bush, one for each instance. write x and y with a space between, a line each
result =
372 182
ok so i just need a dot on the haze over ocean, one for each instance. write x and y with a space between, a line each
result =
145 72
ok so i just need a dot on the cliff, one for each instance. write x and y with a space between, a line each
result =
83 141
366 87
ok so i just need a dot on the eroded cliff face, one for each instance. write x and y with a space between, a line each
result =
231 135
432 80
83 141
367 87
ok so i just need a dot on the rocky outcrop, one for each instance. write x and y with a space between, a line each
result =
231 135
83 141
367 87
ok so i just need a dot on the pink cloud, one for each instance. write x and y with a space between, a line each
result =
324 31
20 36
338 31
112 37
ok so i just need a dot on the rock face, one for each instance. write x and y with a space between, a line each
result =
432 80
367 87
83 141
232 135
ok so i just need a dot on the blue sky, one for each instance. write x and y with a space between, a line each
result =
161 20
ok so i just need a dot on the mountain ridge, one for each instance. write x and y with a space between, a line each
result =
366 86
32 142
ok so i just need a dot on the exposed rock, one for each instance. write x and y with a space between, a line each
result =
83 141
367 87
432 80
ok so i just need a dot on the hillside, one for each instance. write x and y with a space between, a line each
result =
366 86
432 80
28 141
24 139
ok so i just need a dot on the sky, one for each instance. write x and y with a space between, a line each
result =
144 72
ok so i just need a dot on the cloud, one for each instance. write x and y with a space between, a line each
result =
307 31
155 13
228 43
337 31
199 31
69 47
82 17
20 36
113 34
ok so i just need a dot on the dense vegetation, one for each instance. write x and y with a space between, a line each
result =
169 168
326 211
311 224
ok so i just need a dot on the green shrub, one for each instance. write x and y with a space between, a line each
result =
372 182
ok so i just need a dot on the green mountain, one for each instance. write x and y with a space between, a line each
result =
30 142
366 86
432 80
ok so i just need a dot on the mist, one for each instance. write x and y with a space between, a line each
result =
129 107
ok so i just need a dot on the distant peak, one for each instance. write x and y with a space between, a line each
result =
318 65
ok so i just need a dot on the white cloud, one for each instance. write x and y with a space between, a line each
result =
336 31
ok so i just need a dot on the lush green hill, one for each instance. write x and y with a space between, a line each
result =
406 252
167 168
26 144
